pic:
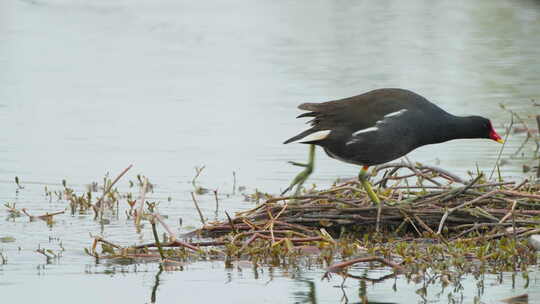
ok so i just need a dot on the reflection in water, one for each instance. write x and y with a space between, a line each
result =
156 285
307 295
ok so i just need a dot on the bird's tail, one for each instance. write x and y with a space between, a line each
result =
310 136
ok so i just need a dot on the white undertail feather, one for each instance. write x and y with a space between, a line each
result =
319 135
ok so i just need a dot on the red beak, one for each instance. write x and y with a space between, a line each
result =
496 137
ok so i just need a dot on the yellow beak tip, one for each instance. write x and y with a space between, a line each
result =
500 140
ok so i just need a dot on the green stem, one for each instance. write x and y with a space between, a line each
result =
154 231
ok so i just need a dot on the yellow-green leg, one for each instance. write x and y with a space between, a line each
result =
363 178
299 180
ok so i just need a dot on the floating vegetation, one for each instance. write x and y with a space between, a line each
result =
431 223
7 239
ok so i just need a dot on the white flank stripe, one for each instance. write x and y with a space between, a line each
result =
319 135
397 113
372 129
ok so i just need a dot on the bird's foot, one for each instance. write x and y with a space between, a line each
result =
363 177
298 164
299 179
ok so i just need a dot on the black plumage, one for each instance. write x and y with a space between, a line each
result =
383 125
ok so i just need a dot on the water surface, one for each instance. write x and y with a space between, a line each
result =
88 87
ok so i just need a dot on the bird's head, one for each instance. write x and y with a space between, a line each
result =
486 129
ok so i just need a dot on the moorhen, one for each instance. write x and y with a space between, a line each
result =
379 126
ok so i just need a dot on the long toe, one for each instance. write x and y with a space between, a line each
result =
298 181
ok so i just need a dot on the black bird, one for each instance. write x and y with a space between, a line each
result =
379 126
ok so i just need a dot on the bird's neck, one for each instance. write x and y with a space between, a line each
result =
455 127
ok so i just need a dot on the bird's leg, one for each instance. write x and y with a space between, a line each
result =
299 180
363 177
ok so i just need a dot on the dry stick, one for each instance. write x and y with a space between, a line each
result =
43 217
281 198
419 187
524 233
131 255
141 205
408 218
520 185
231 223
273 218
503 145
177 243
378 222
463 189
261 232
250 224
423 224
472 187
422 167
520 194
249 241
337 268
387 175
530 134
158 217
295 226
102 240
260 235
510 213
217 202
234 183
98 203
295 240
198 209
449 211
208 243
418 173
270 224
514 221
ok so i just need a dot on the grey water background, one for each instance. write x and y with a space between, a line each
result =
88 87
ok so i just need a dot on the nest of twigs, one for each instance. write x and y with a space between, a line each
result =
437 204
428 219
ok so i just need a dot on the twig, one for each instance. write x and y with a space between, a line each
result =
520 194
141 203
449 211
234 183
99 202
177 243
44 217
233 227
520 185
217 201
460 191
422 167
198 209
339 267
503 145
198 171
172 236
